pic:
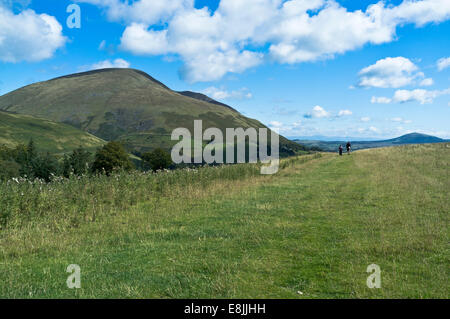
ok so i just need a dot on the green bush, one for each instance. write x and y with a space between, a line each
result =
111 157
44 166
76 163
157 160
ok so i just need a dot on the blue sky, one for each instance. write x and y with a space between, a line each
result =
316 67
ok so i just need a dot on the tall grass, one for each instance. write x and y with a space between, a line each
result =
67 202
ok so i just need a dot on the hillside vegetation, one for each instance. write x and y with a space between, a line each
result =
309 231
126 105
52 137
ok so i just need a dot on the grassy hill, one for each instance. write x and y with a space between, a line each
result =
412 138
126 105
49 136
309 231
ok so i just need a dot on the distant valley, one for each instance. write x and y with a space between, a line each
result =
331 146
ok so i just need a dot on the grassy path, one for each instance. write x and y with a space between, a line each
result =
314 227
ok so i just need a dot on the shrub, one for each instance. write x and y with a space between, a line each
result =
44 166
110 157
76 163
158 159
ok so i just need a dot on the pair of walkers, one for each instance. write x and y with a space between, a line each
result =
348 146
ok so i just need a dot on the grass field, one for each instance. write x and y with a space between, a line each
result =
229 232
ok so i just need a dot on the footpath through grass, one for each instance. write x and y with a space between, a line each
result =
312 228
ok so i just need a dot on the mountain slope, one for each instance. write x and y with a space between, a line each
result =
412 138
126 105
48 136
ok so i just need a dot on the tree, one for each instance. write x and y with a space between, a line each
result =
25 156
44 165
77 162
158 159
110 157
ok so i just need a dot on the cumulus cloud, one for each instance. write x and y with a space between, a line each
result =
107 64
365 119
240 34
317 112
222 94
137 39
389 73
419 95
443 63
212 45
28 36
426 82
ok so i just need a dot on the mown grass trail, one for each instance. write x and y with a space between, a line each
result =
314 227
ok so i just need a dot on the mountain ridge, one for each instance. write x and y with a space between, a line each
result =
127 105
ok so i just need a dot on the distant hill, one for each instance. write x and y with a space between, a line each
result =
412 138
126 105
48 136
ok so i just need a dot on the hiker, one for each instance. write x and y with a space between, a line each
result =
340 150
349 146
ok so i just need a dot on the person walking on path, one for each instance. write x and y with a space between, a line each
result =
340 150
349 147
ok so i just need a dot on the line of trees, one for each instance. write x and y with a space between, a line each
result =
27 161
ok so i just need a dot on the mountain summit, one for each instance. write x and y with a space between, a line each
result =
126 105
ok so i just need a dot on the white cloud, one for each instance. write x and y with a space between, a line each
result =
275 124
222 94
373 129
389 73
400 120
234 38
380 100
420 95
318 112
365 119
140 11
443 63
107 64
28 36
426 82
419 12
345 113
137 39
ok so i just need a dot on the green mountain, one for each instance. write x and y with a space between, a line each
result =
126 105
412 138
49 136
